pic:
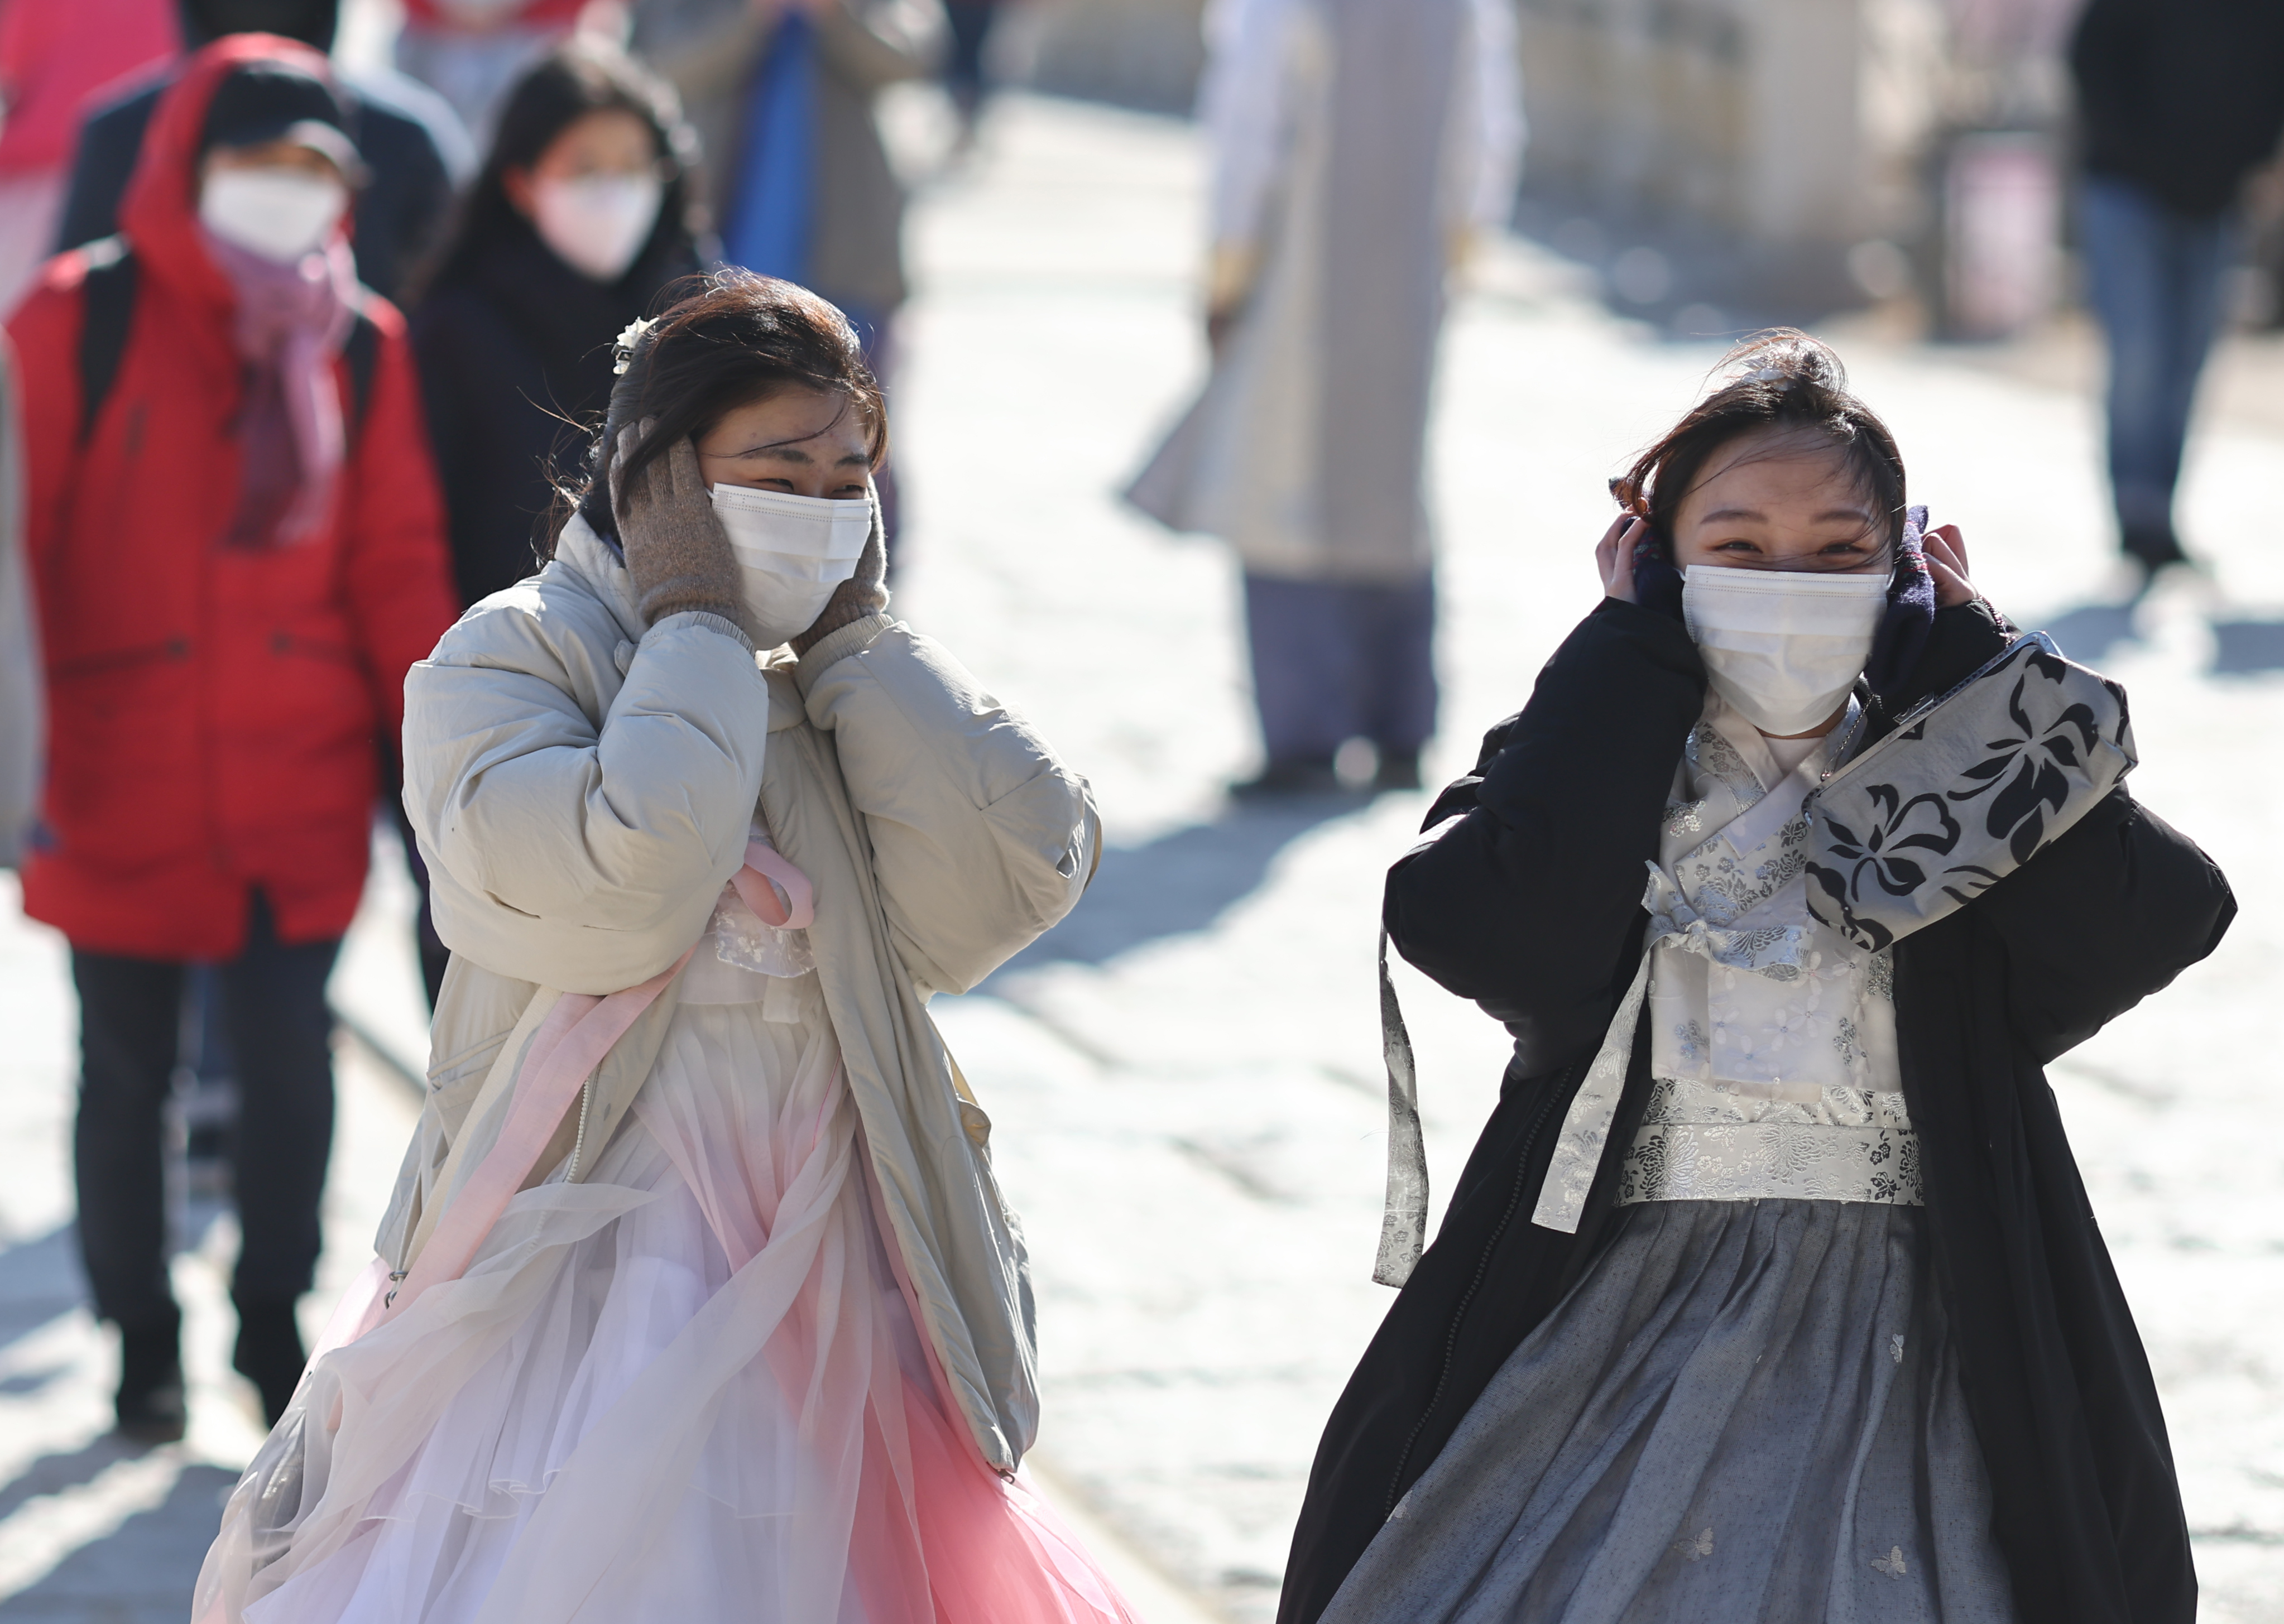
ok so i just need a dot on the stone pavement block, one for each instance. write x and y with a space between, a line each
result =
141 1573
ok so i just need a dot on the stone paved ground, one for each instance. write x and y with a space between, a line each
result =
1184 1076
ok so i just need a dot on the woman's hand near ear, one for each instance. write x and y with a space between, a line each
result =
677 554
1614 556
863 593
1946 561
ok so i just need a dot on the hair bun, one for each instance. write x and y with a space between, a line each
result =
1783 357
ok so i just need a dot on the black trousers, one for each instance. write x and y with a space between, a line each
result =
273 1001
970 29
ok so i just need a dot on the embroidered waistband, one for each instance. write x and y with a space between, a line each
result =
1753 1162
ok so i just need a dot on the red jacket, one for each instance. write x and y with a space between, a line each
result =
56 55
213 715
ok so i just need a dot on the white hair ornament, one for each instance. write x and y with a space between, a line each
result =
629 337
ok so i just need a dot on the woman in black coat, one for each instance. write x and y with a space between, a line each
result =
1883 1370
576 224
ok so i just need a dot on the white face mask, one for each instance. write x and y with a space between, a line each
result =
1783 647
598 223
791 551
278 213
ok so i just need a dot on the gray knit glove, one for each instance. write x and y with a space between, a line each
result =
676 552
863 593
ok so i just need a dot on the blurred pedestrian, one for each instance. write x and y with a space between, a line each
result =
2179 101
238 552
1770 1291
414 149
578 221
471 52
784 94
54 55
966 78
23 711
1359 145
697 1300
416 153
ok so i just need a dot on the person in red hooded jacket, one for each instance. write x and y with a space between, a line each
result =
237 549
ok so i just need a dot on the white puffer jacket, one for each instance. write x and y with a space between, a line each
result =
582 788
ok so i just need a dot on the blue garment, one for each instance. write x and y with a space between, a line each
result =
773 209
2155 281
1334 660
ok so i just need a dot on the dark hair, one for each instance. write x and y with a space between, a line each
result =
1782 381
578 77
735 338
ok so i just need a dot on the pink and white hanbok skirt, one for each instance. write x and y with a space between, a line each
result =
687 1390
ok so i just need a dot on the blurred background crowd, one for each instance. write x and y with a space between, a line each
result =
313 303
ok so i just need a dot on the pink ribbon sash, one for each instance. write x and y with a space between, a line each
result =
798 911
570 1044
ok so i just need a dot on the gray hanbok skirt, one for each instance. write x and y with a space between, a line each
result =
1747 1410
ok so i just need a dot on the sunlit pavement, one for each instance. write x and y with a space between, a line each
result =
1184 1079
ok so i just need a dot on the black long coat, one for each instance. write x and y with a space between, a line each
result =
1531 905
516 353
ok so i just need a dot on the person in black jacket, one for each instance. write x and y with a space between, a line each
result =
414 151
1821 1327
576 224
2179 101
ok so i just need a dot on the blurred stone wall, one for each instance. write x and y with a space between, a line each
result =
1138 53
1762 156
1763 140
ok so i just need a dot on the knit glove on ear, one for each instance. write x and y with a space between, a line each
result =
677 551
863 593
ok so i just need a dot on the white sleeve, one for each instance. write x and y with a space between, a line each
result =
575 854
1242 102
981 839
1487 128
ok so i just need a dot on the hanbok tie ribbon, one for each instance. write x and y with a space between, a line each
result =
764 875
1586 1125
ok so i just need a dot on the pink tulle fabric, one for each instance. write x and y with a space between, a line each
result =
687 1389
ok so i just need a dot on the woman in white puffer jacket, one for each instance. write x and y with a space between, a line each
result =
697 1300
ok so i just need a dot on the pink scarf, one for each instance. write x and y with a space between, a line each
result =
291 322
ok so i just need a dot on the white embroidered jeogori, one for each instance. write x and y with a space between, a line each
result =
1772 1044
1772 1041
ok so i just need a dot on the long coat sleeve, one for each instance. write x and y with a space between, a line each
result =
577 824
980 837
1488 908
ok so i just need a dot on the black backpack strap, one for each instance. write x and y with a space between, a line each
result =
361 351
108 307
